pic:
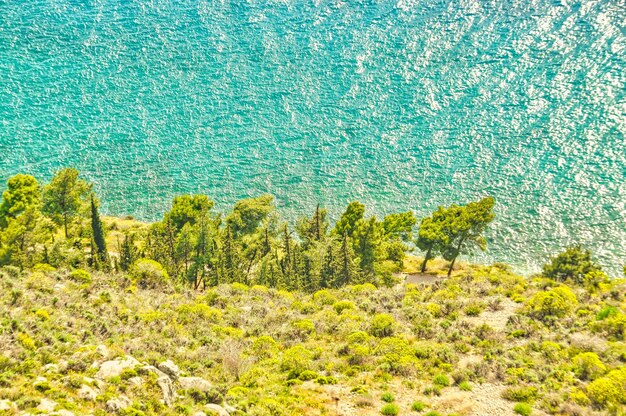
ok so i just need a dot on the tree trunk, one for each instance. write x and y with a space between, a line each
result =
426 258
458 250
65 224
451 265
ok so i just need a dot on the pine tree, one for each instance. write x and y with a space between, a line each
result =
466 229
63 197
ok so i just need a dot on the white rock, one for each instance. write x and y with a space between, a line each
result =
103 351
115 367
87 393
199 413
46 405
51 368
216 408
63 412
165 383
6 405
136 381
146 369
169 368
195 383
117 405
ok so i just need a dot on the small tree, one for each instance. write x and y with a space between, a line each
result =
574 263
22 192
64 197
128 252
349 219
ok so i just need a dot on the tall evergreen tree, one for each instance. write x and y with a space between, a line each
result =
128 252
100 255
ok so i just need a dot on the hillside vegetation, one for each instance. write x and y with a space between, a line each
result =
243 313
483 342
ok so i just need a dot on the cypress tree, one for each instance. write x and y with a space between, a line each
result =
128 252
100 256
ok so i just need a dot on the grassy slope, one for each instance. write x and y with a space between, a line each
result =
51 325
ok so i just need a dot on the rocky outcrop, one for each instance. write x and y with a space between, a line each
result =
115 367
195 383
147 369
216 409
103 351
7 405
169 368
167 388
117 405
87 393
46 405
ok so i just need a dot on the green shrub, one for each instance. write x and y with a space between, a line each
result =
587 366
432 413
326 380
324 297
304 327
418 406
80 276
465 386
389 409
396 353
441 380
296 360
387 397
523 409
520 394
43 267
342 306
198 312
308 375
574 263
609 390
556 302
616 326
383 325
474 308
149 274
607 312
264 347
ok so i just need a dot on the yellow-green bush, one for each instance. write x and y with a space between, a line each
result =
304 327
324 297
556 302
342 305
43 314
149 274
588 366
396 353
198 312
264 347
296 360
383 325
609 390
80 276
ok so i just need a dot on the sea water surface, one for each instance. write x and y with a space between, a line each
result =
404 104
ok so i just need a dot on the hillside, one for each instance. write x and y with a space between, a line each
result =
474 344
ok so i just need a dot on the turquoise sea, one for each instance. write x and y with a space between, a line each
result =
403 104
